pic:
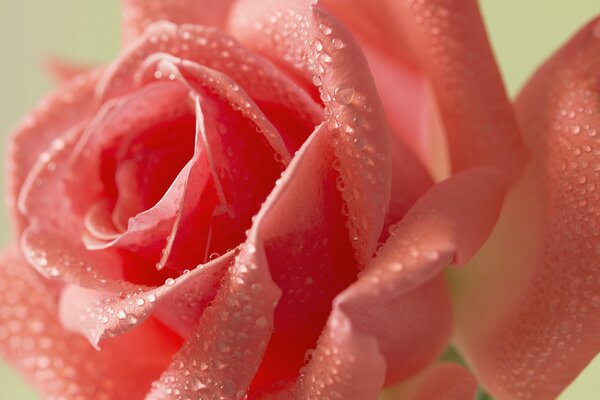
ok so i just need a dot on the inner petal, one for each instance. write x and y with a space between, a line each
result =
147 166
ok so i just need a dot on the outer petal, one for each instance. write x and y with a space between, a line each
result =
61 364
529 321
315 47
139 14
71 104
442 227
447 41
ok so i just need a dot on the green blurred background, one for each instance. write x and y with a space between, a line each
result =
523 32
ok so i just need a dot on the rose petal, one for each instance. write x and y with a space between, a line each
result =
139 14
345 365
229 343
308 42
310 256
446 381
271 89
71 104
222 356
178 303
451 45
540 320
236 154
401 85
53 220
61 364
442 227
448 42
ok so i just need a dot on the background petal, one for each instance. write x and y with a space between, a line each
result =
529 321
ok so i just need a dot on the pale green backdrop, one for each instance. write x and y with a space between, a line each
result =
523 32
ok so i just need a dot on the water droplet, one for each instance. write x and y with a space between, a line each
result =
344 94
337 44
325 29
261 322
196 385
170 282
317 45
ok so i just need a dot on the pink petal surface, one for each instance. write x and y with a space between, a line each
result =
310 43
310 256
226 136
446 381
139 14
240 335
401 85
442 227
178 303
221 357
528 322
346 364
62 365
448 43
216 50
69 105
53 220
452 48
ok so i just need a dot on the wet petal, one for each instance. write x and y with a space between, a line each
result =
213 49
452 48
411 327
448 43
139 14
346 364
62 364
232 132
309 43
178 303
240 332
55 226
528 321
58 113
225 350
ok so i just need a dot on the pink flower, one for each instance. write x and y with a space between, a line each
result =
242 205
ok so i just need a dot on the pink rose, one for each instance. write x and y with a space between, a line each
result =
241 205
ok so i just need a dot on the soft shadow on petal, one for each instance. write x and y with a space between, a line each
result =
528 321
63 365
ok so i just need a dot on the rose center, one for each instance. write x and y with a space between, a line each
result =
138 171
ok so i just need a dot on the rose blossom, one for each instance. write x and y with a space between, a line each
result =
241 205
